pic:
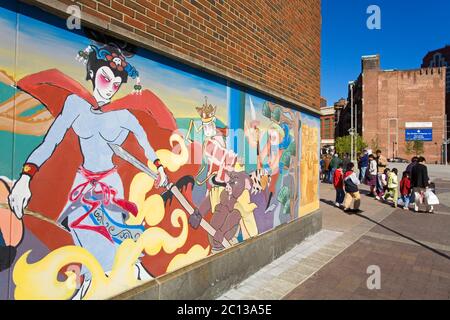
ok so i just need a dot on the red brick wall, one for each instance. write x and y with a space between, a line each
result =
274 43
409 96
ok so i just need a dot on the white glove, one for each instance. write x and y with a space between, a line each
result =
20 196
162 177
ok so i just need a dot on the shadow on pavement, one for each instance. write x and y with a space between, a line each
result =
442 254
328 202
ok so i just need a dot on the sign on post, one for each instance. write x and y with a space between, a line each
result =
424 134
419 131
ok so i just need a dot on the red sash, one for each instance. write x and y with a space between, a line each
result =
109 195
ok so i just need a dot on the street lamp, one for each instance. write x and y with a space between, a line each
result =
445 143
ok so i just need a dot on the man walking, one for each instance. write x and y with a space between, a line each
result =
411 165
333 166
327 168
363 164
381 164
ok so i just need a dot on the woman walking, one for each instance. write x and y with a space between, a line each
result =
372 175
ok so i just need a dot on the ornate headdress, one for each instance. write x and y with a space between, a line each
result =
207 112
116 61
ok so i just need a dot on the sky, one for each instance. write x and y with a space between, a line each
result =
409 29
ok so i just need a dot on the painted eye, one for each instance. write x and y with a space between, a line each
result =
105 78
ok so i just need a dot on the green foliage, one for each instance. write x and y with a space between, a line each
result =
414 147
343 144
409 147
375 143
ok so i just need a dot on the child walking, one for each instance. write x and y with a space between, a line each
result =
338 182
382 182
351 183
392 186
405 190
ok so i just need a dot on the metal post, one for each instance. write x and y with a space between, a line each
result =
351 122
446 140
356 131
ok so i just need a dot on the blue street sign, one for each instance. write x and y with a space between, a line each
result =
423 134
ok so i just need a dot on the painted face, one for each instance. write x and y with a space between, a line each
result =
106 84
274 137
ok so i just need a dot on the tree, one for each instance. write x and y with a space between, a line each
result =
409 147
375 143
343 144
414 147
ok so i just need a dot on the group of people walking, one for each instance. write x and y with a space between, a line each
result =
412 188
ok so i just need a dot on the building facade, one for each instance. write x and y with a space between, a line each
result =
441 58
146 136
388 109
327 128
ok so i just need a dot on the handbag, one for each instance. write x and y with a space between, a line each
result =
431 198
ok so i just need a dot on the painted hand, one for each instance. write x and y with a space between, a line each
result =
195 219
218 236
20 196
162 178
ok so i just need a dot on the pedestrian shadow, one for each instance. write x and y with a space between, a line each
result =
442 254
328 202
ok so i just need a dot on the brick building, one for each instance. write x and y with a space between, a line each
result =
387 102
441 58
271 46
327 126
340 118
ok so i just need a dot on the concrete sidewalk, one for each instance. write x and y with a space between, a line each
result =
412 251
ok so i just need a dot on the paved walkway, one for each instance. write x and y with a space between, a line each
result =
412 251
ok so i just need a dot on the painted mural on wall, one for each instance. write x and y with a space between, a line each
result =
118 166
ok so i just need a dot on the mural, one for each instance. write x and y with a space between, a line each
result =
118 165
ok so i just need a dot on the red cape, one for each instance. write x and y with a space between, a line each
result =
52 183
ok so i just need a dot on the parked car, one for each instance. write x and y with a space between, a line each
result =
398 160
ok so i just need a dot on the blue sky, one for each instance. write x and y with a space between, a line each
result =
409 29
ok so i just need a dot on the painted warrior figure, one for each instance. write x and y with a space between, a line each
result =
96 209
219 160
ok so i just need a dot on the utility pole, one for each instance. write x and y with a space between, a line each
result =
446 140
352 128
356 131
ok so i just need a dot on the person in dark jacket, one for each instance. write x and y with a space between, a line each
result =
333 166
363 164
419 182
345 161
411 165
351 183
338 182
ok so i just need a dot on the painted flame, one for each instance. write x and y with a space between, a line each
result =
39 280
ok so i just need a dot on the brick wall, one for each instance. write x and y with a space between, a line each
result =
408 96
272 45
